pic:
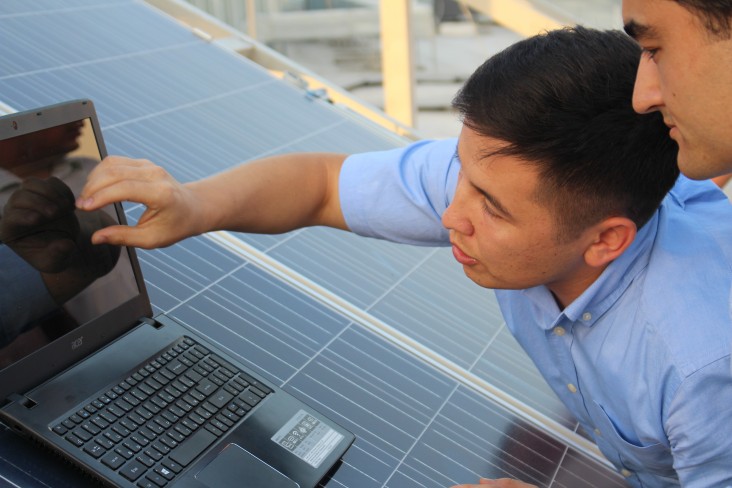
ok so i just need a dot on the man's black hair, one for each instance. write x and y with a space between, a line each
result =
715 14
561 101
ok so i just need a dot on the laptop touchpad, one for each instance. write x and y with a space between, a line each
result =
235 466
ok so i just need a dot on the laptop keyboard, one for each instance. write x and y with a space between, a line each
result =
154 423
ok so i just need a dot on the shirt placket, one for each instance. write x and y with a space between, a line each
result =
560 339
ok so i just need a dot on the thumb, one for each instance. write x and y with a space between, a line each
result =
121 235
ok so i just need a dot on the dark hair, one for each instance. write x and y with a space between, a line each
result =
716 15
562 101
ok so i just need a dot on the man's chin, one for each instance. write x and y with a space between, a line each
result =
482 280
700 174
697 168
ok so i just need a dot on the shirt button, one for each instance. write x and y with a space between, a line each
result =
559 330
598 433
572 388
587 316
626 473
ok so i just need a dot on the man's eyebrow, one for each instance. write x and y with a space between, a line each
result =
494 202
639 31
491 199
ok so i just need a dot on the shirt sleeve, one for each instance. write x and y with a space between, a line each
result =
699 427
400 195
25 297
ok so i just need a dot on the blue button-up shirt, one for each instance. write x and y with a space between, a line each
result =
642 357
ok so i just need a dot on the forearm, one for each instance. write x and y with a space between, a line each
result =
272 195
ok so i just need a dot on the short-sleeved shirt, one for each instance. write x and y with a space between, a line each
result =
642 357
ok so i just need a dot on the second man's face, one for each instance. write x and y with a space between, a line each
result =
686 74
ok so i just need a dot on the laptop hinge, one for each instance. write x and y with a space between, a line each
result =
153 322
22 400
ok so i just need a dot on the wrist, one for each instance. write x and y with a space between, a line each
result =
202 211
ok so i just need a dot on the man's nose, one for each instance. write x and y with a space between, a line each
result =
455 218
647 92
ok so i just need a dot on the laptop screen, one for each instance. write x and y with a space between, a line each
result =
53 280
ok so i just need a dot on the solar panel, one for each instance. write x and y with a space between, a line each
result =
165 94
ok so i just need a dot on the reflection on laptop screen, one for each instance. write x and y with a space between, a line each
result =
53 279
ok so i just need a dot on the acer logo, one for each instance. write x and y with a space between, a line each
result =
77 343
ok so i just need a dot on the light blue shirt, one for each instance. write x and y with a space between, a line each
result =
642 357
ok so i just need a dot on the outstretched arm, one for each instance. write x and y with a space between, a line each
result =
272 195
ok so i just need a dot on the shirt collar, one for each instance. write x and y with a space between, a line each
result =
606 289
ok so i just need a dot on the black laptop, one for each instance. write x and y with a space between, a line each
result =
85 369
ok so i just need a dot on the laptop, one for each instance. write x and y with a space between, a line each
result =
86 370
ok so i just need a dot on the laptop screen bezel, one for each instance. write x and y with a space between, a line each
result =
53 358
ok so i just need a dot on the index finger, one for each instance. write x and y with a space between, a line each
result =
118 179
102 171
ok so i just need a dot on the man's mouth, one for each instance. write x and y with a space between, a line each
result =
461 257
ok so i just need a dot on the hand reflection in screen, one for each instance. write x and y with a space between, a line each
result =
41 225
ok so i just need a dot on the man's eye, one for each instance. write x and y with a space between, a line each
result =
650 53
487 209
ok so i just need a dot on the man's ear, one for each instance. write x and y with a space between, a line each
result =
610 239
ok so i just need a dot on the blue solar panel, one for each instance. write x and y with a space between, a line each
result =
165 94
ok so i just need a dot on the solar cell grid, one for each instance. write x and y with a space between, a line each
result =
423 294
164 94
